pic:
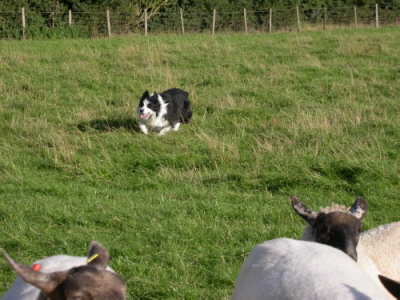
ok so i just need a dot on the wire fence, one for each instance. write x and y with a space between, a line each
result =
68 24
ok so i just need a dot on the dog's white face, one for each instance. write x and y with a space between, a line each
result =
149 106
146 109
151 111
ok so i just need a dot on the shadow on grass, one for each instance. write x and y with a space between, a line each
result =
106 125
275 185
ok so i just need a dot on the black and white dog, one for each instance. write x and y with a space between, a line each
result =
163 112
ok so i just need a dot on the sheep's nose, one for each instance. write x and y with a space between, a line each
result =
352 254
349 247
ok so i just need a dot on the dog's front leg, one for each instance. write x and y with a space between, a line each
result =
176 126
143 128
164 130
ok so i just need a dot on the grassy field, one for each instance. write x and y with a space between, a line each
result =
310 114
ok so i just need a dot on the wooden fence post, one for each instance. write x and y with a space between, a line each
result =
298 18
355 16
270 20
325 20
245 20
23 22
183 26
108 24
145 22
213 23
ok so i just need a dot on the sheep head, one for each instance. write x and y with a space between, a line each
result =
91 281
339 228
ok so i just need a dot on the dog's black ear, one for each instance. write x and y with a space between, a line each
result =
145 95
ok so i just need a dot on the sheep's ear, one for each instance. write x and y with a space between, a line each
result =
359 208
47 283
307 214
145 95
98 256
392 286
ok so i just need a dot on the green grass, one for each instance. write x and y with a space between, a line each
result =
311 114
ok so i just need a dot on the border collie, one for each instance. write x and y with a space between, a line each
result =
163 112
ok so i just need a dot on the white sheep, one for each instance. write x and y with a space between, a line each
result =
64 277
379 251
290 269
376 251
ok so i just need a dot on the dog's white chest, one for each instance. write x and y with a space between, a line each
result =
156 123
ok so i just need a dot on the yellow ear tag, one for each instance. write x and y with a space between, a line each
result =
92 258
